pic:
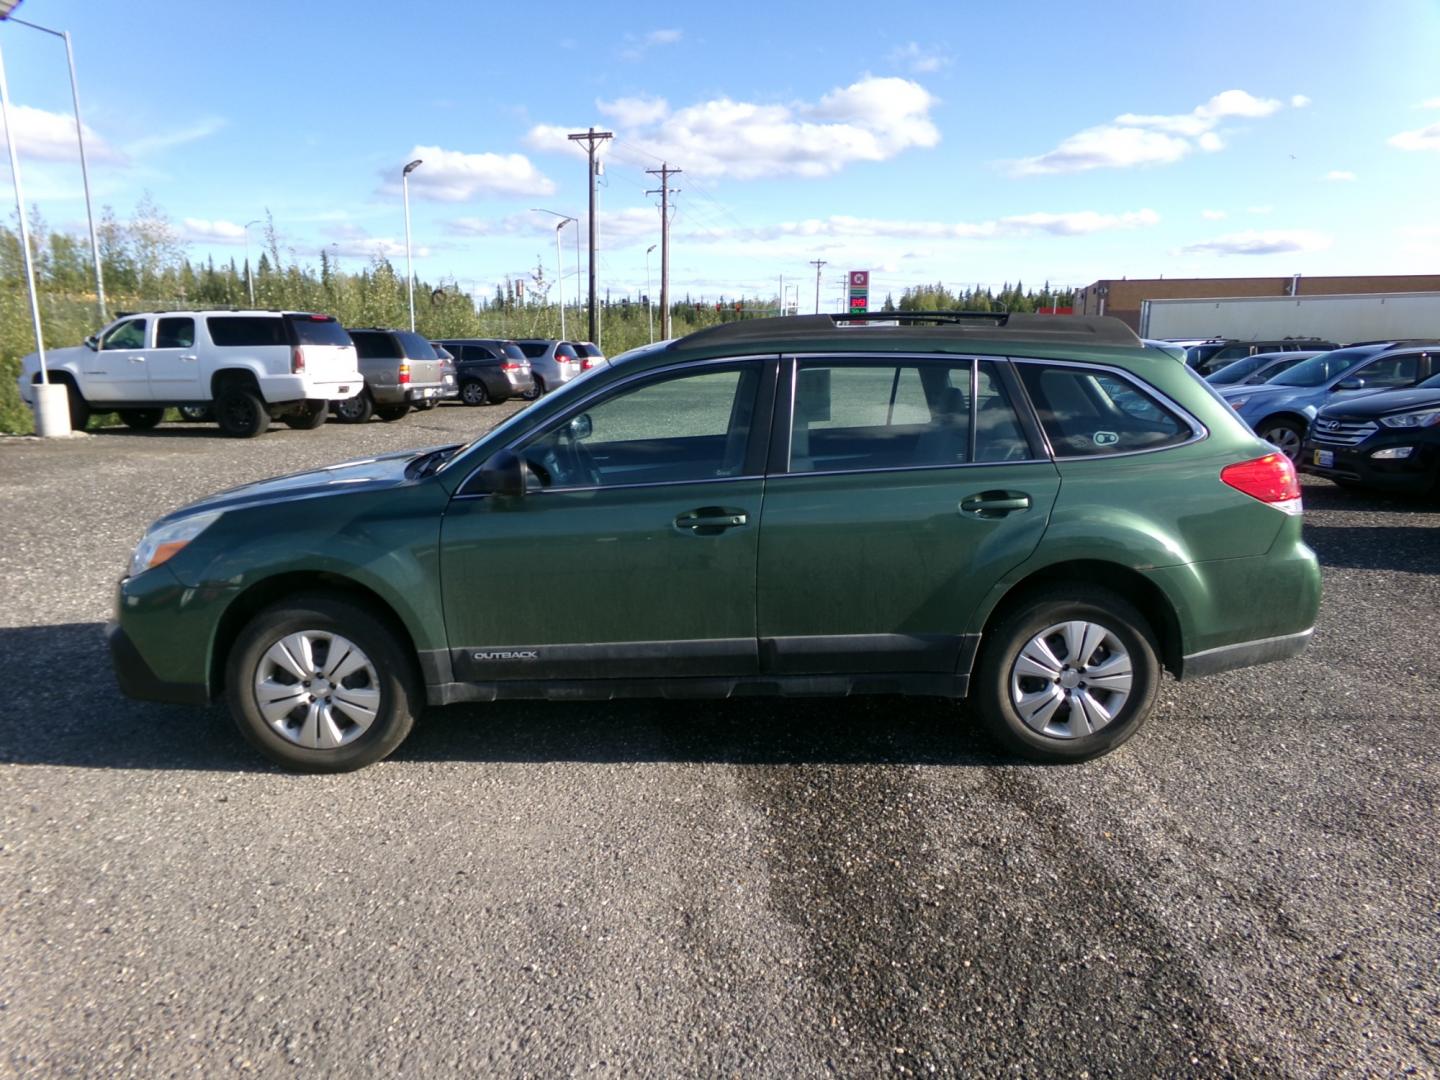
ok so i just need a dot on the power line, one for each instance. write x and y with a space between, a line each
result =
665 173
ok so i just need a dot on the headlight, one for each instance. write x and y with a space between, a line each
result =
1423 418
164 542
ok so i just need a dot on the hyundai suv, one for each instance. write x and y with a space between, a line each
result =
244 368
1034 511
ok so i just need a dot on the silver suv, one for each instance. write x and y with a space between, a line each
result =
247 367
401 370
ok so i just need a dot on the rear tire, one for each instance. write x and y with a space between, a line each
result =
240 412
473 392
390 413
307 417
141 419
355 410
1090 685
1285 435
537 389
337 723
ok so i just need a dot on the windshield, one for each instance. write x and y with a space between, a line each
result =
1233 373
1320 369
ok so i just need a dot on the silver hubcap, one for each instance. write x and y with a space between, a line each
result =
1070 680
1284 440
317 689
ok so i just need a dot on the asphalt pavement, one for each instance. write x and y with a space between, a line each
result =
769 889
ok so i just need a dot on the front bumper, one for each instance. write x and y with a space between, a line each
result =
137 678
1358 465
161 637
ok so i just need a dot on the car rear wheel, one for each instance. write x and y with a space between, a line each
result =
141 419
537 389
390 413
355 410
1069 674
240 412
308 416
473 392
1285 435
319 684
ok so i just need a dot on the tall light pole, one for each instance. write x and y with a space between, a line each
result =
250 270
84 166
649 304
409 259
565 219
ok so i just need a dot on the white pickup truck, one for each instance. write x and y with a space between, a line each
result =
247 367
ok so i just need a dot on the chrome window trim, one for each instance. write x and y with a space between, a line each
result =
543 428
908 468
1198 431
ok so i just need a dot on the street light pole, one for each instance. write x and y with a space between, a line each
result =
649 304
565 219
250 270
409 260
84 165
24 226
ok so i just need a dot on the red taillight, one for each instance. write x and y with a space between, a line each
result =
1271 479
511 365
404 373
587 363
297 361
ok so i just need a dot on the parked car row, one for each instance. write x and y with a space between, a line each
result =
243 369
1363 415
1209 355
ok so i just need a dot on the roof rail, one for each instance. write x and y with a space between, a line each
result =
985 325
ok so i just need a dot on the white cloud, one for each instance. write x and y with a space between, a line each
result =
1076 223
917 59
1339 174
1136 139
637 45
871 120
48 136
634 111
1266 242
454 176
618 228
1214 215
371 247
1426 138
165 140
201 231
1299 101
1430 103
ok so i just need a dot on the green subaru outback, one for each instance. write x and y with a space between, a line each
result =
1033 511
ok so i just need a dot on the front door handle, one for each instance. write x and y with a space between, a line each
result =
995 504
188 356
137 359
711 520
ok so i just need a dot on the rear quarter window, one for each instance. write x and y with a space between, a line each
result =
1087 412
373 345
415 346
246 331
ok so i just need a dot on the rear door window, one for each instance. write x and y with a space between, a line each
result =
514 352
533 349
1390 372
1088 411
175 333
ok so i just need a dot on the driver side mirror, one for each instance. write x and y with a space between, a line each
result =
503 474
93 343
1352 383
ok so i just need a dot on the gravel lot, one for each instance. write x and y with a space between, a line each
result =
677 888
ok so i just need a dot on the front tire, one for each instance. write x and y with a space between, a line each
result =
1068 675
240 412
319 684
141 419
307 417
355 410
196 414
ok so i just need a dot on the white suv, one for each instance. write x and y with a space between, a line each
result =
247 367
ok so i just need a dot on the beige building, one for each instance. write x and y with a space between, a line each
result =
1121 297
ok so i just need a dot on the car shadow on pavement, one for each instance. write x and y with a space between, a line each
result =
64 708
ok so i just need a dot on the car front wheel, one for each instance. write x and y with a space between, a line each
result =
319 684
141 419
1069 674
1285 435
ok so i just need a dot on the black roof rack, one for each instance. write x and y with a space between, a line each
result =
1066 329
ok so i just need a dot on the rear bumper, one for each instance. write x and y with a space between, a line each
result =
287 388
1245 654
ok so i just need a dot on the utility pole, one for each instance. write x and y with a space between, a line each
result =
817 264
592 140
664 172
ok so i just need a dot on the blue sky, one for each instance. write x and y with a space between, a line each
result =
960 143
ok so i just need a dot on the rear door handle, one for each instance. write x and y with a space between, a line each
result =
995 504
188 356
711 520
137 359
